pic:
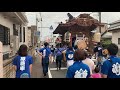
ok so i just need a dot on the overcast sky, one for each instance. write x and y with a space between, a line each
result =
53 18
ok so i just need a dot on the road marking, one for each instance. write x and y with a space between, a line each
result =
49 73
56 68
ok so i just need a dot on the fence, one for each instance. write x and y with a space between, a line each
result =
8 71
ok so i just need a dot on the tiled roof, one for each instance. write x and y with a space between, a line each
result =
118 21
84 20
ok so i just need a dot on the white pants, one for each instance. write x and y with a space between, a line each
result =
69 63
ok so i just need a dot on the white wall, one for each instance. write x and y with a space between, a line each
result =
1 60
26 36
6 22
115 36
29 36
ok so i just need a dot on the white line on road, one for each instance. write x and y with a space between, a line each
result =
56 68
49 73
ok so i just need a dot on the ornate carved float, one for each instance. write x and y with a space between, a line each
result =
83 24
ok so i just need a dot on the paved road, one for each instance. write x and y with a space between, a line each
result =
54 73
37 68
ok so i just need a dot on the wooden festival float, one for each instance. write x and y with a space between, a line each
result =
77 28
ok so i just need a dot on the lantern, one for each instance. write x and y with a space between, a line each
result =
97 37
67 37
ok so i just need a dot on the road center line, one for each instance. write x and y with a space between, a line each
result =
56 68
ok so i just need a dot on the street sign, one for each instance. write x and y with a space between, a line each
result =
37 33
51 27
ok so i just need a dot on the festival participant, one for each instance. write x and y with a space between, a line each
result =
22 63
111 67
78 69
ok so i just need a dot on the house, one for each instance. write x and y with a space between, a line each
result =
29 36
13 33
33 39
115 29
107 35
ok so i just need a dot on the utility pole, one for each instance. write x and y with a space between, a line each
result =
99 14
36 22
41 25
37 25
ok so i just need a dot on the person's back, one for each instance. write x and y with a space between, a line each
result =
45 51
46 54
69 56
59 56
111 67
90 63
22 63
78 69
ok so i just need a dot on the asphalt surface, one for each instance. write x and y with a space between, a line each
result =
37 68
53 72
57 73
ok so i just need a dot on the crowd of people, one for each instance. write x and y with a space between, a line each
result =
79 62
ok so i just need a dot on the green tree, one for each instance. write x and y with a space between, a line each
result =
106 42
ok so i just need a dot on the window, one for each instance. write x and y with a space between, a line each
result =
15 31
1 34
23 34
20 33
7 36
4 35
118 40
